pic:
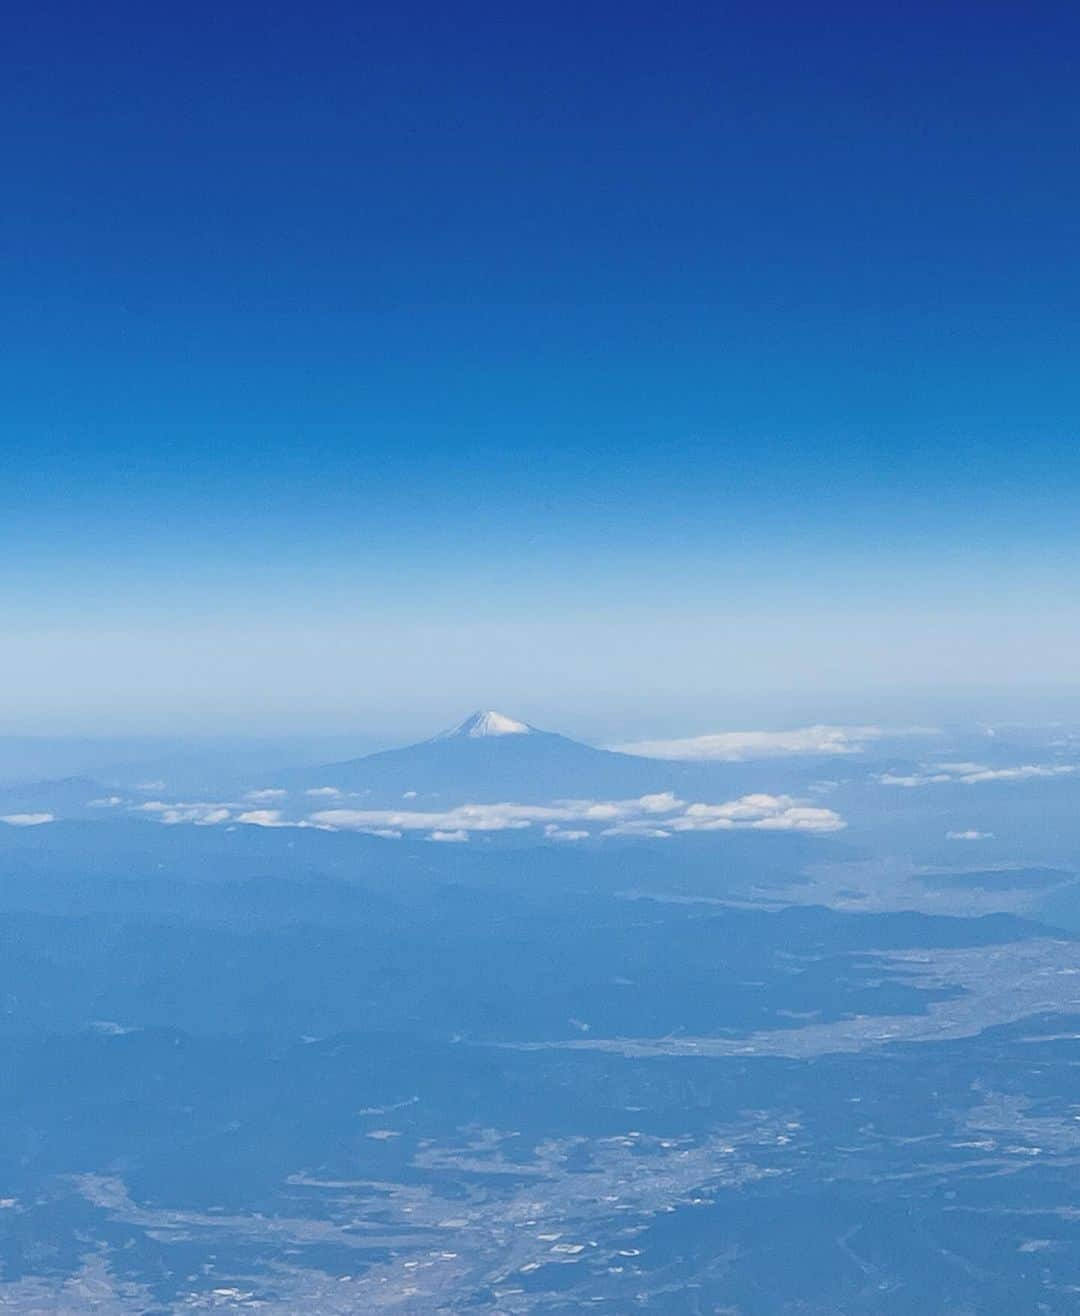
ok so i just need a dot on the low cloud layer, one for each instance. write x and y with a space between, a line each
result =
497 817
26 819
650 815
971 774
565 821
771 813
201 814
739 746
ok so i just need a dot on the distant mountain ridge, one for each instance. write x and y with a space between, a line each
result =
488 758
69 797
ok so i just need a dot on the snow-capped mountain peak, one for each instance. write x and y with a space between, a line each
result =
488 723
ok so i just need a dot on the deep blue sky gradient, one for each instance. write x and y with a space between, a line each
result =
563 353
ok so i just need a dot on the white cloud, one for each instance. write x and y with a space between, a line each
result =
457 835
650 815
969 835
663 803
760 812
1018 774
209 817
201 814
213 817
109 802
266 795
640 830
971 774
327 792
495 817
737 746
554 833
273 818
262 818
27 819
205 814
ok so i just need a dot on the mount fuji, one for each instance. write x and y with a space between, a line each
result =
491 757
485 723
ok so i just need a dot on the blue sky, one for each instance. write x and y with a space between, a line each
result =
574 358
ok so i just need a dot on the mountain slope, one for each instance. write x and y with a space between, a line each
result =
491 757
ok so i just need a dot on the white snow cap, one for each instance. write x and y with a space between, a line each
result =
488 723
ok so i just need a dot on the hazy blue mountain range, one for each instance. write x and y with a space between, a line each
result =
477 761
253 1063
